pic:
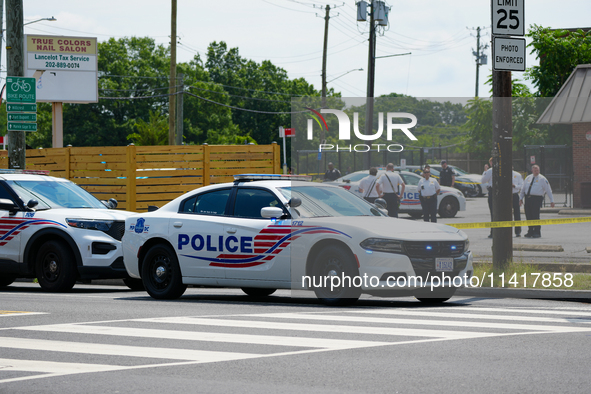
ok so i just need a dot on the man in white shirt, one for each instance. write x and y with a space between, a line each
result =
390 187
516 184
429 189
367 186
487 180
533 190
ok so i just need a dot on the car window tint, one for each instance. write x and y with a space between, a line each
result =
249 202
4 193
212 203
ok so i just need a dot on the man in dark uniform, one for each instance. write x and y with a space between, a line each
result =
332 173
446 175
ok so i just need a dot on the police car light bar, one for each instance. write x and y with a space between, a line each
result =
270 177
16 171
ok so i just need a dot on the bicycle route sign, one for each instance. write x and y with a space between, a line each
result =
21 90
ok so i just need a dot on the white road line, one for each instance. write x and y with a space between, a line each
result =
121 350
452 315
410 332
324 343
447 323
52 367
518 310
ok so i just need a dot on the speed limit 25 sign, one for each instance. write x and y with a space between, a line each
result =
508 17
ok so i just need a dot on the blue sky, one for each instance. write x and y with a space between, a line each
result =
440 34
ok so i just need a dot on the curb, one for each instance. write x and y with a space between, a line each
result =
548 294
537 248
579 268
585 212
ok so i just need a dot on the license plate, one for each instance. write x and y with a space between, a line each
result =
444 264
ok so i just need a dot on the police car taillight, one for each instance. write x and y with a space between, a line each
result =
15 171
270 177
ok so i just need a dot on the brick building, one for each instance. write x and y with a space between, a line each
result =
572 106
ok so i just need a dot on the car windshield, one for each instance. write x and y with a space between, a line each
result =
354 177
318 201
459 171
53 194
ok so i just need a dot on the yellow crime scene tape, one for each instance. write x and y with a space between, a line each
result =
520 223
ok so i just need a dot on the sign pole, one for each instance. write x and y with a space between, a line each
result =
57 125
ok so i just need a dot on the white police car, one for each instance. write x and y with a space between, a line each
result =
268 232
449 200
55 231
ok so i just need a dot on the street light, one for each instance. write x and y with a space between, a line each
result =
350 71
52 19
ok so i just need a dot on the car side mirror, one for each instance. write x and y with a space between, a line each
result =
32 204
271 212
294 202
346 180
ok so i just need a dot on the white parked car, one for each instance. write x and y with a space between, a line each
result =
55 231
449 201
263 233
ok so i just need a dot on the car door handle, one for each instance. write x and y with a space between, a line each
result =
178 224
231 230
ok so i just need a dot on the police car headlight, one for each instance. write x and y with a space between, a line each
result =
90 224
382 245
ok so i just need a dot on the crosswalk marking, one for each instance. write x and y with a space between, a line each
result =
352 328
471 316
320 327
21 313
207 336
430 322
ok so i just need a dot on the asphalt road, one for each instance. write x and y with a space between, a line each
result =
106 339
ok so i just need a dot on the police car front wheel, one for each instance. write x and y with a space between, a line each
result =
161 273
333 281
55 266
449 207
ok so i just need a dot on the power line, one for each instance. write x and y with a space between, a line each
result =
244 109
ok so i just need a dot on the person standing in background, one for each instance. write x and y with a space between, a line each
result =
429 189
367 186
331 173
487 180
516 184
390 187
533 190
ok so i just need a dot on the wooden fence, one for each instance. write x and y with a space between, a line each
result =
139 176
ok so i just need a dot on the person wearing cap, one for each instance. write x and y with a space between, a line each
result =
446 175
390 187
428 190
533 190
367 186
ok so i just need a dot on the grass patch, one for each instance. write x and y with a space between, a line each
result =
528 276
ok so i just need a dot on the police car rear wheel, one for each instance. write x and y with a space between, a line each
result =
6 280
161 273
332 261
258 292
55 266
448 208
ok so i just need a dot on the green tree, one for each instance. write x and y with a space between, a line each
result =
559 52
153 132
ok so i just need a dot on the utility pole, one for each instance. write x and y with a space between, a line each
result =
1 34
15 68
179 110
481 58
502 245
172 89
324 54
371 63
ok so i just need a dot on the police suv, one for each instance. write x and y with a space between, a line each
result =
53 230
268 232
449 200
